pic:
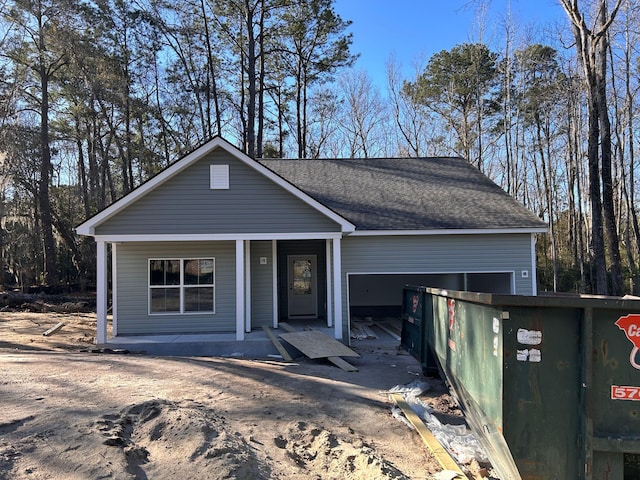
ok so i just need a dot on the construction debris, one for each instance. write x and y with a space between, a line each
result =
439 452
53 329
314 344
362 330
283 351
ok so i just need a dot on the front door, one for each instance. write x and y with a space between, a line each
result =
303 282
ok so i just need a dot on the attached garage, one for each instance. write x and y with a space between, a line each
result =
378 267
380 294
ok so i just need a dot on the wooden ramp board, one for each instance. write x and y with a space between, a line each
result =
443 457
277 344
286 326
315 344
343 364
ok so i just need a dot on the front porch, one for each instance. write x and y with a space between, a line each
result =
255 288
256 344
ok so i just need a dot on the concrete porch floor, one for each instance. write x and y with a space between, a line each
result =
255 345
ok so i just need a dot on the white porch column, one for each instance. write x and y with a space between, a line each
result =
102 286
247 285
337 288
114 289
329 284
274 280
240 285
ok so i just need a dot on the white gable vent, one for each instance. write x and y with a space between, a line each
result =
219 177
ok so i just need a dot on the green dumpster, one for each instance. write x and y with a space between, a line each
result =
551 385
413 337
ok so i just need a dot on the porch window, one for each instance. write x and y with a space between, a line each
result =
182 285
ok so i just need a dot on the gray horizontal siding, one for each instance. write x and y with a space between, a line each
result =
133 291
261 285
185 204
439 254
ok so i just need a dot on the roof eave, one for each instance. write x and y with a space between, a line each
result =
452 231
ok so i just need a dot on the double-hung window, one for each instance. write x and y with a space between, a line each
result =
182 285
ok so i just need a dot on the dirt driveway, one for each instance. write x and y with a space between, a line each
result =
72 414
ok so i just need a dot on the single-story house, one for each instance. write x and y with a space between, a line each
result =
220 243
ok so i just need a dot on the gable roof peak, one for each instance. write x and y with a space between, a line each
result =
89 226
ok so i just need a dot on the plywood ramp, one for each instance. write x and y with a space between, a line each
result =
314 344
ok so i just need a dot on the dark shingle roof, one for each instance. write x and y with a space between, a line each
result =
407 193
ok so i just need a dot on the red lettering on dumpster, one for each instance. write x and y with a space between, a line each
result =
619 392
630 325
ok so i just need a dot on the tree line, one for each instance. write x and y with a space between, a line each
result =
96 96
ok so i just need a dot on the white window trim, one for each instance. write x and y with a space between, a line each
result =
181 286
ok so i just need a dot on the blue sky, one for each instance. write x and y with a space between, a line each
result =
416 29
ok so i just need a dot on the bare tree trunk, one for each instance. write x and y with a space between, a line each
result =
610 227
591 49
260 136
630 129
251 79
127 169
212 72
82 171
44 203
575 185
626 214
161 119
43 193
549 199
597 232
300 132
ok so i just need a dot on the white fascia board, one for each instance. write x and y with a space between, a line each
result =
480 231
89 226
216 237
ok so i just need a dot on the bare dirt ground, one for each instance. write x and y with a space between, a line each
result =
68 413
